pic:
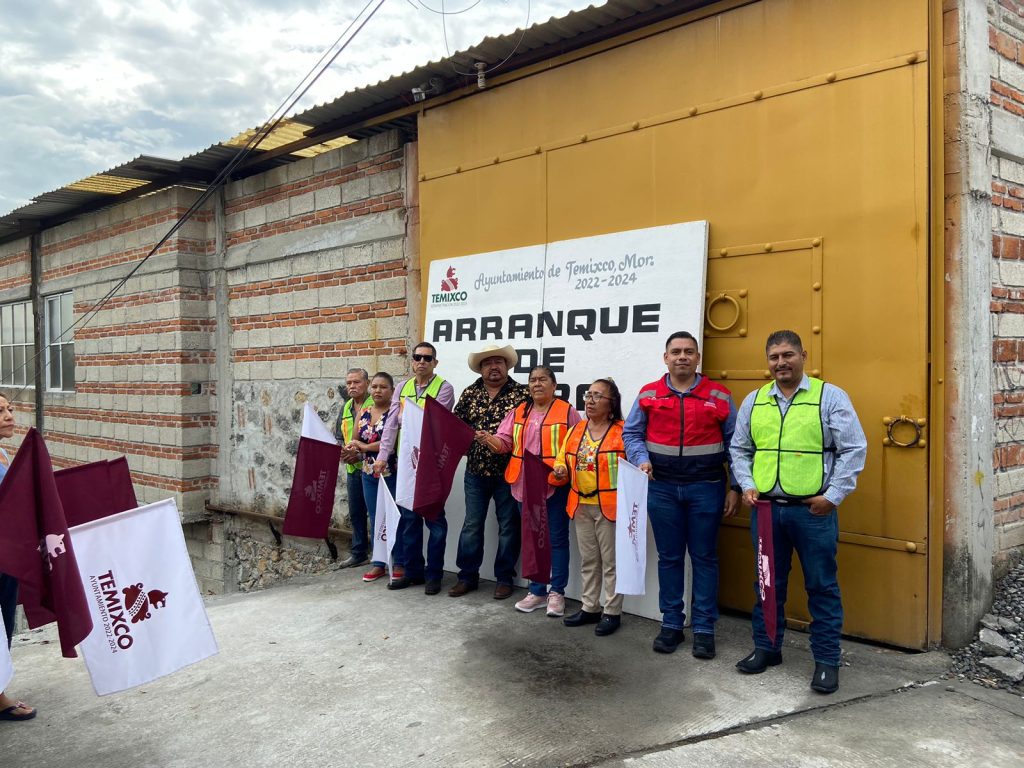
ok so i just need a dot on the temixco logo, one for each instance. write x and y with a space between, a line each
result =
119 609
632 528
450 293
315 491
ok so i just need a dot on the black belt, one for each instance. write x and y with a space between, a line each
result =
788 501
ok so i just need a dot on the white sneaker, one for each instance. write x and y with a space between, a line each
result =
531 603
556 604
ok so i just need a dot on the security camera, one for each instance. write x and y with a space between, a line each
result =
433 87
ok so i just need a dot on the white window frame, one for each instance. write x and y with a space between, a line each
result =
55 342
11 375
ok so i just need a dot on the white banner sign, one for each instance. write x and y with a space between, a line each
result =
148 616
630 531
313 427
588 308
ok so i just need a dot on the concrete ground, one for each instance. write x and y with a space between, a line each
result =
331 671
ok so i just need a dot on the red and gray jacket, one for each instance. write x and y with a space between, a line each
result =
685 437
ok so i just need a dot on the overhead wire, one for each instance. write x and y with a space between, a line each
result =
487 71
221 178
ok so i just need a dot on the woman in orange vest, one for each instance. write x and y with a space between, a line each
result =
589 458
540 426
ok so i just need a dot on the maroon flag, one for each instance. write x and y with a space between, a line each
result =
91 491
444 441
311 501
36 549
536 549
766 568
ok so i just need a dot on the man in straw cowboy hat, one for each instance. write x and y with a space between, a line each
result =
482 406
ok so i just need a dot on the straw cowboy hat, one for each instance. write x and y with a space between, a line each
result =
476 358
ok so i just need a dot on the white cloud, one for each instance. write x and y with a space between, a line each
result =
89 84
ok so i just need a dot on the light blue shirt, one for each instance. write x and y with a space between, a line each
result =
845 445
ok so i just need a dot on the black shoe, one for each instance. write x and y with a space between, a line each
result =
352 561
826 678
433 586
404 582
580 618
703 645
607 625
758 661
668 640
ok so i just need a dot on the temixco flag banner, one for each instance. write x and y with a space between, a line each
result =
408 453
536 547
316 474
91 491
148 616
444 441
35 547
766 568
630 530
385 526
6 667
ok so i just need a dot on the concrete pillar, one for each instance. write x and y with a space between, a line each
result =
968 535
222 369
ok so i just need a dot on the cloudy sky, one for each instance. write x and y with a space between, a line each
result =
86 85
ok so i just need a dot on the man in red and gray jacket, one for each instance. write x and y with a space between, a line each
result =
678 432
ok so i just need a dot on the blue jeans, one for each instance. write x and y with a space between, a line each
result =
685 518
816 541
412 545
558 530
357 514
370 496
480 489
8 603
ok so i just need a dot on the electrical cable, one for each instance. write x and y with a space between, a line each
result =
519 42
221 178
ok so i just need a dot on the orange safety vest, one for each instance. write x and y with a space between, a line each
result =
552 432
609 450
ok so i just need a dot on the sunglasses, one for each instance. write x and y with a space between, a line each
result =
423 358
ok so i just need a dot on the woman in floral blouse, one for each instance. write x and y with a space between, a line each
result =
369 428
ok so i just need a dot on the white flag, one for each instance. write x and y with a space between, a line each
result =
408 453
385 529
630 530
313 427
6 666
148 616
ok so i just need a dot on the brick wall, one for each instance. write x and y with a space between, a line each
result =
198 368
1006 47
142 364
315 265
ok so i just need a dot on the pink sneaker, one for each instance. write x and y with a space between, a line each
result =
556 604
531 603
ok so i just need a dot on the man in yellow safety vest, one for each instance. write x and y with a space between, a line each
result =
798 444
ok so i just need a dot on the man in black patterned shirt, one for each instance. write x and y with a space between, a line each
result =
483 405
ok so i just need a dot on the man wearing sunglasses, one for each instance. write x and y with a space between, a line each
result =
423 383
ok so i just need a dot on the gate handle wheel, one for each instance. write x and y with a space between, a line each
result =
904 420
718 298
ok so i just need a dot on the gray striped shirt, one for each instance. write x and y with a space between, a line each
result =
845 444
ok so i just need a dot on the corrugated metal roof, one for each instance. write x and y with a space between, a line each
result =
383 106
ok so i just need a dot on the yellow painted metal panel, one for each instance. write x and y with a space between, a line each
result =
759 45
834 171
